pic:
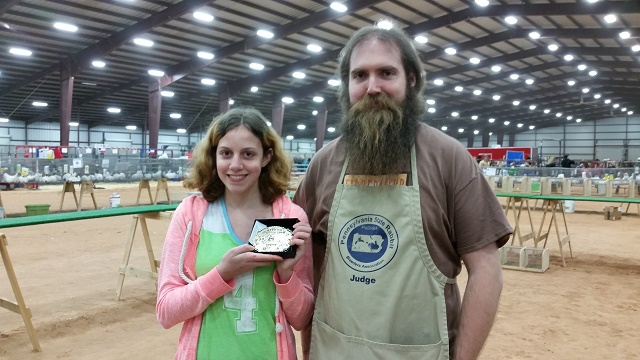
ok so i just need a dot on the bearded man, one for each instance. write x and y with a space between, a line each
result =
395 207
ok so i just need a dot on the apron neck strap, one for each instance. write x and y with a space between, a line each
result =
414 167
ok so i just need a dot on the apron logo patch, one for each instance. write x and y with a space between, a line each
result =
368 242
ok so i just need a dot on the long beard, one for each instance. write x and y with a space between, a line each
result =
379 133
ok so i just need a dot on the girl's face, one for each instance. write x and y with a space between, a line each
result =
239 161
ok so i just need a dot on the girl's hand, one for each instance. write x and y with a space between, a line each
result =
241 259
301 237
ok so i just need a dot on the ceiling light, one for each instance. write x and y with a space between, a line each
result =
607 101
610 18
431 110
131 127
578 120
568 57
265 34
514 76
314 48
630 113
507 122
4 120
299 75
73 123
582 67
431 102
553 47
531 127
585 90
546 111
301 127
625 35
592 1
532 107
529 81
516 103
461 130
143 42
314 112
571 82
510 20
113 110
496 97
438 82
207 81
496 68
98 63
156 73
477 92
444 128
20 51
331 129
458 88
491 120
181 131
287 100
520 125
337 6
89 84
203 16
289 137
623 109
254 89
476 132
256 66
593 73
421 39
615 106
558 114
455 114
231 102
65 27
450 51
318 99
474 117
167 93
205 55
534 35
597 96
635 48
333 82
474 60
384 24
39 103
569 117
175 116
482 2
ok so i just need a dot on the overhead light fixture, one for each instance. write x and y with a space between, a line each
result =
175 116
438 82
314 112
534 35
181 131
131 127
474 60
569 117
20 52
482 3
529 81
98 63
597 96
450 51
531 127
585 90
231 102
507 122
73 123
511 20
496 97
460 130
578 120
455 114
65 27
532 107
421 39
625 35
444 128
568 57
167 93
431 102
458 88
384 24
593 73
205 55
516 103
635 48
4 120
331 129
202 16
256 66
558 114
314 48
582 67
113 110
490 133
553 47
156 73
630 113
571 82
546 111
611 18
608 101
89 84
477 92
254 89
299 75
265 33
496 68
143 42
287 100
431 110
207 81
623 109
338 6
474 117
520 125
476 132
39 103
301 126
514 76
318 99
592 1
615 106
491 120
333 82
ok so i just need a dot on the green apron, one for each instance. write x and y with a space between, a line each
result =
380 295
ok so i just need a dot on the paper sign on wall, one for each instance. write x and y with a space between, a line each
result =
77 163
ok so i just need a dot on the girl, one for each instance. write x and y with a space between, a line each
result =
235 304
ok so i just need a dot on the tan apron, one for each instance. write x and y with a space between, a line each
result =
380 296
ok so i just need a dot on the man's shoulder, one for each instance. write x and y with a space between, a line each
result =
334 149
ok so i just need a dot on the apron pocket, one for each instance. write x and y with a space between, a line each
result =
327 343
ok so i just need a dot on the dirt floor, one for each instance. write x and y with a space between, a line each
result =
68 271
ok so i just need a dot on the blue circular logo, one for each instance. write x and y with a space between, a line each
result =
368 242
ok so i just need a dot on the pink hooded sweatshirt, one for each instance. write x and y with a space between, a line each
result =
183 298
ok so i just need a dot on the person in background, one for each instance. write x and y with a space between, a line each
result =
485 162
566 162
551 162
235 303
395 207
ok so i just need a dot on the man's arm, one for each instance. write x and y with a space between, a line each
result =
480 302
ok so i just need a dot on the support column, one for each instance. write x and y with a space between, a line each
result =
500 138
277 116
321 127
512 139
470 139
66 99
485 138
223 100
155 106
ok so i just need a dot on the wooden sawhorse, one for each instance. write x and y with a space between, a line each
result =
550 206
144 184
19 306
126 269
511 202
68 187
87 187
162 185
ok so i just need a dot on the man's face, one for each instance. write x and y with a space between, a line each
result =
376 67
